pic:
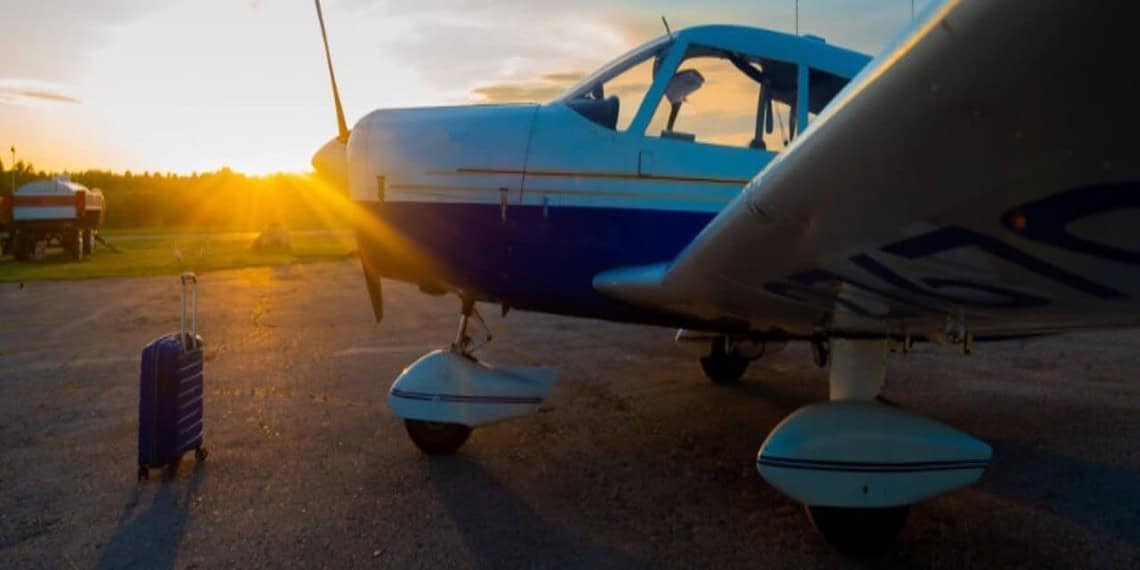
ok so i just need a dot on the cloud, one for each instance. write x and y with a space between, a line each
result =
516 92
545 88
30 91
567 77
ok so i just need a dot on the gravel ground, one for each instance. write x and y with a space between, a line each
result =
636 461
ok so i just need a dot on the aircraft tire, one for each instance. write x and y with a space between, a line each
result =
721 367
437 438
858 532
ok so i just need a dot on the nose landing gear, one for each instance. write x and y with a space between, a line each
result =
446 393
437 438
445 438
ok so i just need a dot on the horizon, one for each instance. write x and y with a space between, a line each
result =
255 96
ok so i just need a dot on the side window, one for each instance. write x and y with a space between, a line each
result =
612 100
630 88
722 98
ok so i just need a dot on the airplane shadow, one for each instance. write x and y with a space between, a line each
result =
504 532
1100 497
785 397
151 538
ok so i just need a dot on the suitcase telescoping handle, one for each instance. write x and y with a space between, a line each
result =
189 281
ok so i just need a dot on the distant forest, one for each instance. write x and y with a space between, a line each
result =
220 200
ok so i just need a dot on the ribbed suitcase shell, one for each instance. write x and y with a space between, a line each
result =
171 392
170 401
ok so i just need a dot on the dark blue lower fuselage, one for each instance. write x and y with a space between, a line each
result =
532 258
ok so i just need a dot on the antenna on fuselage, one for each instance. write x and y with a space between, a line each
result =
341 125
797 17
668 30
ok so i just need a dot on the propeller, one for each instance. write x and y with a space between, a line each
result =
332 161
342 126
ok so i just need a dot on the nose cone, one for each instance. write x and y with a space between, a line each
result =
331 162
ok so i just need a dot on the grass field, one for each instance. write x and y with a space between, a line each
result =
161 252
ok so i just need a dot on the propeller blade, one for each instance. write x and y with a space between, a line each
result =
342 126
375 290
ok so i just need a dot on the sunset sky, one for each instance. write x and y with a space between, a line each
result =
193 85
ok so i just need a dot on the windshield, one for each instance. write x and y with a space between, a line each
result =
617 66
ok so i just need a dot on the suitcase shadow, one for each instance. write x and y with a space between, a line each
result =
149 536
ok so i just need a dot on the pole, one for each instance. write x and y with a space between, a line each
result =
797 17
13 170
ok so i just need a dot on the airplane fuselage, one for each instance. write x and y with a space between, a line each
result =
525 204
531 231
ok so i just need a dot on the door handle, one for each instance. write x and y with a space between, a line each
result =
645 163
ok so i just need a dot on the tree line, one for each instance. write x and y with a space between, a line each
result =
223 199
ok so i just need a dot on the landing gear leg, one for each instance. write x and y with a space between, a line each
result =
463 344
820 351
441 438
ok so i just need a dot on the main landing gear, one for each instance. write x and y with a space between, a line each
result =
857 464
721 364
728 356
446 393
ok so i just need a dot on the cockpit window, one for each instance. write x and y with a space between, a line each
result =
612 95
727 98
732 99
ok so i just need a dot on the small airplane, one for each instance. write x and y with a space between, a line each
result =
977 181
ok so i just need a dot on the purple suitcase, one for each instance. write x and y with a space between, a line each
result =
170 392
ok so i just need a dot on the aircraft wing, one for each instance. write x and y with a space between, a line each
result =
981 174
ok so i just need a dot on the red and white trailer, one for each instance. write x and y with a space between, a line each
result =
52 211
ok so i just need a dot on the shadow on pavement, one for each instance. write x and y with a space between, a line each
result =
151 538
785 397
504 532
1100 497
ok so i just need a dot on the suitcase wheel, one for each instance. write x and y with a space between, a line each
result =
200 454
143 473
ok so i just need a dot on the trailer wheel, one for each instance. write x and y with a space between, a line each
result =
24 246
73 244
16 245
88 242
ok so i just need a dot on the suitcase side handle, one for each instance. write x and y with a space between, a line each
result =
189 281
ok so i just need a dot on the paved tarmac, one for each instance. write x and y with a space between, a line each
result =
636 461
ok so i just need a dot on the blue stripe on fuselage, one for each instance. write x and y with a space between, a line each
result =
540 260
